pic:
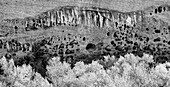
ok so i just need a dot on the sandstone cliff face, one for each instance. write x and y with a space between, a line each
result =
86 34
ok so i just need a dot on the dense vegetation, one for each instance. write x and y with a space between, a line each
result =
127 71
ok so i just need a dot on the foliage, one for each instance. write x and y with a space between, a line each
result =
127 71
20 76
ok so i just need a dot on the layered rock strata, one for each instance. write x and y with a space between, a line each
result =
87 33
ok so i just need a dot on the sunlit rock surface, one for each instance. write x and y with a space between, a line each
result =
85 33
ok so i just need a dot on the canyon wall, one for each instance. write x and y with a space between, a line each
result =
86 33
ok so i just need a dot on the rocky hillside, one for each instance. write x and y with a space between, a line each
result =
85 33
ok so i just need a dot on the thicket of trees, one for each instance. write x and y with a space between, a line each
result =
127 71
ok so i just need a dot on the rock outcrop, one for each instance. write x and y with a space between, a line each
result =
88 33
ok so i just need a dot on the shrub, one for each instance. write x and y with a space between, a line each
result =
127 71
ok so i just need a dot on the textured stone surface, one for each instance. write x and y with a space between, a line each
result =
85 34
24 8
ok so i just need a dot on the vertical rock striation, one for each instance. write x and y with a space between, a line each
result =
87 33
